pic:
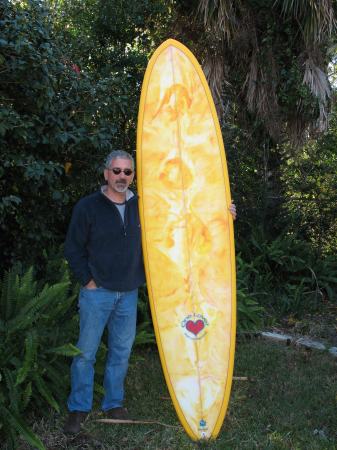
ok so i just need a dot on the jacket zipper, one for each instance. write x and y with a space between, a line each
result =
124 223
120 218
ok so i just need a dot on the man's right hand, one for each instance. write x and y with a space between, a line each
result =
91 285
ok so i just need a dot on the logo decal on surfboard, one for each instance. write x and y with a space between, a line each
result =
202 423
194 326
203 428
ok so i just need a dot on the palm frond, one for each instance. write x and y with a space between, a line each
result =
260 86
214 70
238 42
316 80
251 82
316 17
219 16
319 86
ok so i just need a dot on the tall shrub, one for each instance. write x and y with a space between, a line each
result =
57 122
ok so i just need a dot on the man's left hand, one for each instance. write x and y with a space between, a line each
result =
232 210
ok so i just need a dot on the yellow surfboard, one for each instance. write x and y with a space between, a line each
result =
187 236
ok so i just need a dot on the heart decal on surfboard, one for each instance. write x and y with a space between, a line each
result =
195 327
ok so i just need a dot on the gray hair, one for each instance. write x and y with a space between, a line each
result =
118 154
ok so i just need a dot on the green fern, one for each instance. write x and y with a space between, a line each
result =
57 378
35 327
99 389
145 334
61 305
29 312
16 423
31 343
26 395
45 392
249 312
66 350
296 279
27 288
13 398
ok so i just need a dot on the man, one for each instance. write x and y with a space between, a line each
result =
103 248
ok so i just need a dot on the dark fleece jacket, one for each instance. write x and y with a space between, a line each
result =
100 246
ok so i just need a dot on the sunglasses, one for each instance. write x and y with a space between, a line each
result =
117 171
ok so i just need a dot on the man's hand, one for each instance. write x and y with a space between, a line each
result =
91 285
232 210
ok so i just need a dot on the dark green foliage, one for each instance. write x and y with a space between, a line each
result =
145 333
35 325
57 123
249 312
309 184
286 227
254 174
285 275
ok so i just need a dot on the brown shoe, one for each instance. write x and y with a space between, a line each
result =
118 413
74 421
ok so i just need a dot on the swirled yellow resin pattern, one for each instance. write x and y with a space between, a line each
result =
187 237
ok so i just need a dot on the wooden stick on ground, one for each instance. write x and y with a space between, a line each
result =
119 421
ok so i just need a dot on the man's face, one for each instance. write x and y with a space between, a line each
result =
117 179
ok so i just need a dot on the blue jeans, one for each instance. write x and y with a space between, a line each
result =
100 308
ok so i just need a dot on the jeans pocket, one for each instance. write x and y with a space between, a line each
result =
86 295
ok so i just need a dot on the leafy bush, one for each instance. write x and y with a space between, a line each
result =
309 178
35 325
287 274
57 123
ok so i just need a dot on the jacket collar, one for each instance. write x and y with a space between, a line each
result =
129 193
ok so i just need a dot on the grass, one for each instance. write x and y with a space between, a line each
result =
290 402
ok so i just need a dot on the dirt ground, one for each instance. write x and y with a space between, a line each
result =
321 326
